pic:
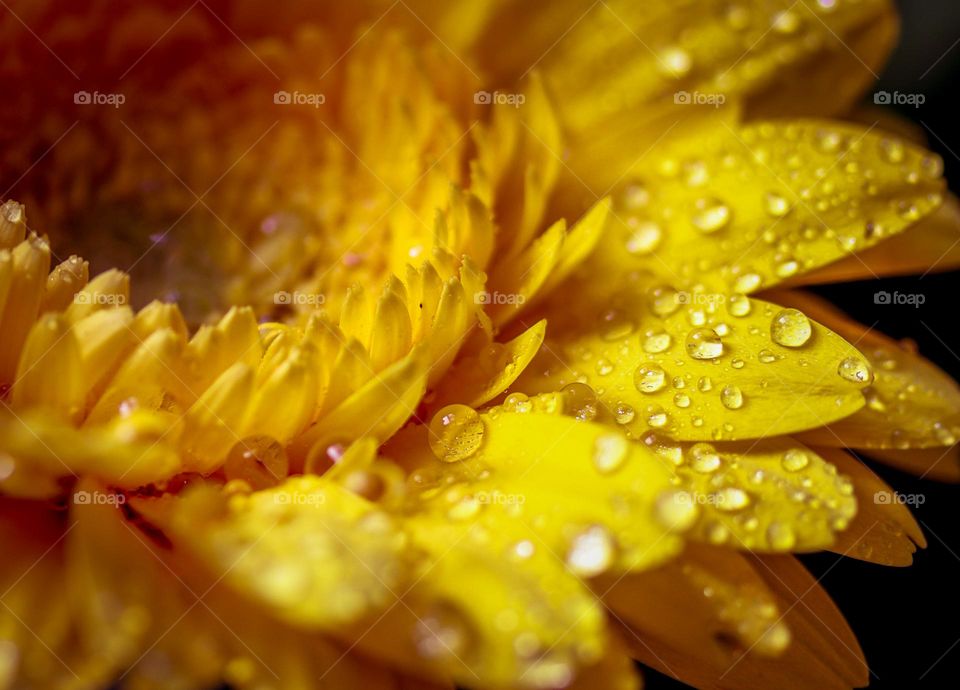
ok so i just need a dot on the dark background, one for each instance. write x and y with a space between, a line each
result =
908 619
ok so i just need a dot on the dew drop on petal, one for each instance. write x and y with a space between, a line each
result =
644 237
260 461
676 510
704 458
657 342
794 460
649 378
790 328
591 552
731 499
580 401
855 369
710 215
776 205
704 343
739 305
731 397
455 433
664 300
609 452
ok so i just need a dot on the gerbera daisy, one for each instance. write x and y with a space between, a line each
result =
464 348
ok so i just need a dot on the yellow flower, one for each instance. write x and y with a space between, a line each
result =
501 408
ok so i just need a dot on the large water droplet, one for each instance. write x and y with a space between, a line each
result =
676 510
710 215
609 452
791 328
795 460
855 369
731 397
591 552
704 343
644 237
580 401
455 433
649 378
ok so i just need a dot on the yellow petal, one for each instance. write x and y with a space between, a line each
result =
769 495
311 553
286 401
911 403
108 290
50 373
477 379
215 422
24 278
930 245
883 531
64 281
714 369
934 463
13 224
743 209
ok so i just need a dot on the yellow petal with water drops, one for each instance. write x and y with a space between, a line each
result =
13 224
486 602
214 423
931 245
743 209
356 315
49 374
698 366
127 453
285 403
515 465
378 409
63 283
911 403
883 531
108 290
312 553
769 495
706 606
479 378
150 378
24 275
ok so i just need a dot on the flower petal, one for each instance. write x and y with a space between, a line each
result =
883 531
711 372
743 209
770 495
910 402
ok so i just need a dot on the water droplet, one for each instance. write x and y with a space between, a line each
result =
443 632
649 378
609 452
635 196
260 461
657 342
676 510
704 384
580 401
657 417
681 400
675 61
731 499
704 458
624 413
786 22
776 205
664 300
781 536
591 552
604 366
892 150
748 282
704 343
644 238
791 328
795 460
766 356
856 370
731 397
455 433
710 215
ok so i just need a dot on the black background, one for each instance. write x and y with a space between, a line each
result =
907 618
